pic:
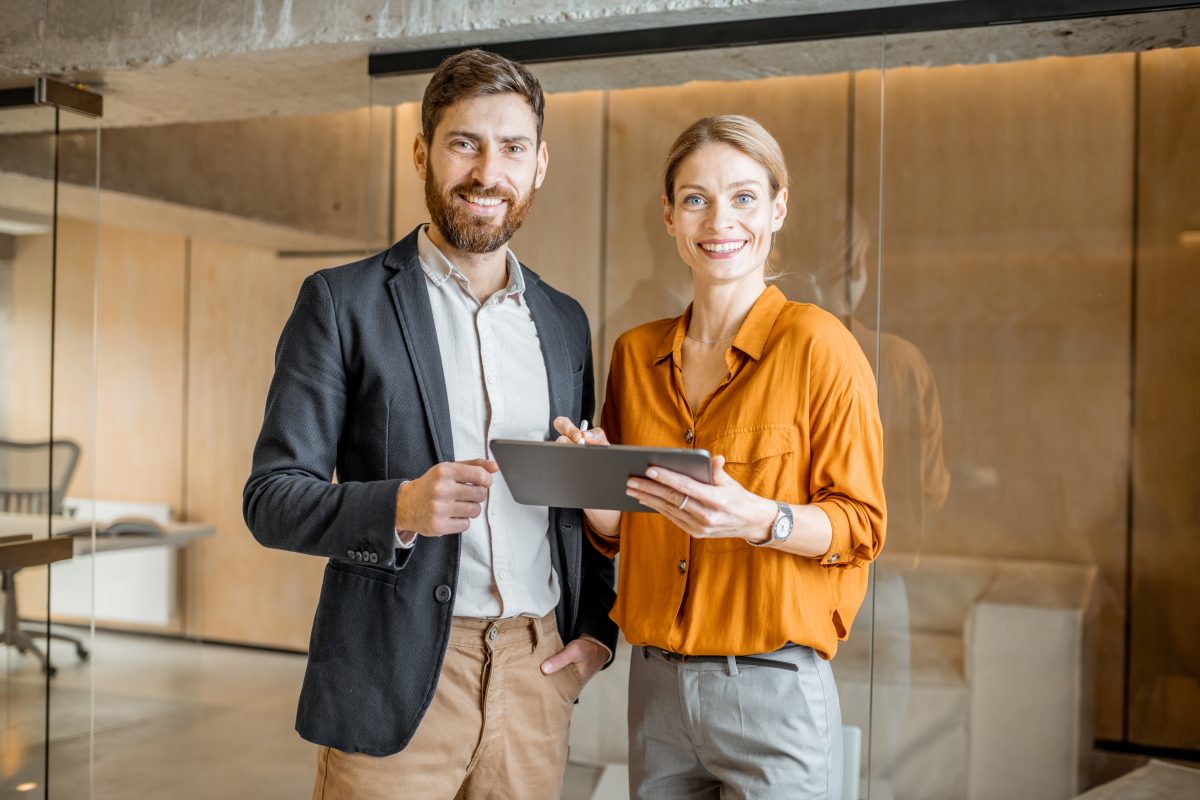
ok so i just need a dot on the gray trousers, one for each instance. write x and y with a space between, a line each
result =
733 731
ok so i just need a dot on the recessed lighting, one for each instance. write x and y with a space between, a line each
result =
28 786
1189 237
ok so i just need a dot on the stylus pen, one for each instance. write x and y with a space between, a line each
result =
582 430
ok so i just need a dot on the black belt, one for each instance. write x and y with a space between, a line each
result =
751 661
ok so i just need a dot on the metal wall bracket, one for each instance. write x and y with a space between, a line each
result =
68 96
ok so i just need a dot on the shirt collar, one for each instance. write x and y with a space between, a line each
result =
751 338
439 269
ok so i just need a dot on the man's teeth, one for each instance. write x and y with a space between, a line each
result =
723 247
484 201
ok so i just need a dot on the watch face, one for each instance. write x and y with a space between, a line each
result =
783 528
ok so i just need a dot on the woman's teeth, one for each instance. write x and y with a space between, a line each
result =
723 247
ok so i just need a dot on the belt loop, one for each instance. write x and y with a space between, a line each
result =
731 662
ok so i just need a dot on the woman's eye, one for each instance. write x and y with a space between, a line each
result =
693 200
744 199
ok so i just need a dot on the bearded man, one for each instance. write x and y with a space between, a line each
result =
455 627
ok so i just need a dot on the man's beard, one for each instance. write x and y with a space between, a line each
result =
465 231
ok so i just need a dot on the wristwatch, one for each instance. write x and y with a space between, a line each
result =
781 528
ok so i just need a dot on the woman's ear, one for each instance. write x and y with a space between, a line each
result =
668 215
779 210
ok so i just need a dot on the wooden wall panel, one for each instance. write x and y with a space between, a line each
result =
645 277
140 347
239 299
1006 260
1165 652
118 362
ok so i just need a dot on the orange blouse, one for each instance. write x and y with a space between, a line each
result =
797 421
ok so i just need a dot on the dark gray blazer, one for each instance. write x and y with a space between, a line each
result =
358 388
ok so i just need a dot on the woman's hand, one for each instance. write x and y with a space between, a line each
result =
723 510
569 434
605 521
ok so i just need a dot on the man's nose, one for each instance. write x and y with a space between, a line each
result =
487 168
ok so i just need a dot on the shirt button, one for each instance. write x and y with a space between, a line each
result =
833 558
689 437
493 633
682 566
502 574
491 379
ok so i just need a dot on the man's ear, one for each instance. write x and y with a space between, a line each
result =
779 210
668 215
420 156
543 160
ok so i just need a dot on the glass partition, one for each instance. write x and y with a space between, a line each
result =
596 232
48 171
1004 219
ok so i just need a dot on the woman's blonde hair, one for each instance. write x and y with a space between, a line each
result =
739 132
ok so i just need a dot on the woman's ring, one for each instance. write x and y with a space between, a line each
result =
683 502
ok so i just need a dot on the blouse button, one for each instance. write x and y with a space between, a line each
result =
689 437
682 566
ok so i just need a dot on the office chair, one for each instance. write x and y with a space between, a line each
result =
33 480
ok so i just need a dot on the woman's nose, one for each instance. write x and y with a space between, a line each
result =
719 219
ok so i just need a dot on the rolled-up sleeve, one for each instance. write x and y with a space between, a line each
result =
846 437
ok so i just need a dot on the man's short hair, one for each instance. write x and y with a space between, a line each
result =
477 73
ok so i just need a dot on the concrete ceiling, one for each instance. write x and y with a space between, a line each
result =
170 61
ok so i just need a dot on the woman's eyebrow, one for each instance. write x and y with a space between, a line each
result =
734 185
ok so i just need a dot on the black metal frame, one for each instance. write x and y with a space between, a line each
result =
918 18
55 94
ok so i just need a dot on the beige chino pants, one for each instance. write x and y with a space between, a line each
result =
497 727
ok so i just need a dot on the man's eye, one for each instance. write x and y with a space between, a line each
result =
516 149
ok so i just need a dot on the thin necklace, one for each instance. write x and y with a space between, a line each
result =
709 341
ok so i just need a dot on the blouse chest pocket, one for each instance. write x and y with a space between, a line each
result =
764 459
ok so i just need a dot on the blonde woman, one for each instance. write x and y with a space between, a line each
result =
736 594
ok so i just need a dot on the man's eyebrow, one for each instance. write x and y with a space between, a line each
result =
475 137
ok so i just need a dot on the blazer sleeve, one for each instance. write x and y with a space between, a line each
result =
290 501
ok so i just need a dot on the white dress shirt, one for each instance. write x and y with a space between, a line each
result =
497 388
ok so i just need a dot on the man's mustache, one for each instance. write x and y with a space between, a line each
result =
477 189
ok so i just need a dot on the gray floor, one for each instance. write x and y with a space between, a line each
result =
152 718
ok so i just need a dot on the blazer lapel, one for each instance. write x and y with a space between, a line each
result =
559 371
411 299
554 349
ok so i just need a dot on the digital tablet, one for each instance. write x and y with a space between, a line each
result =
583 476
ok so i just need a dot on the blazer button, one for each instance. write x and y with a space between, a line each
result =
442 593
350 554
374 557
